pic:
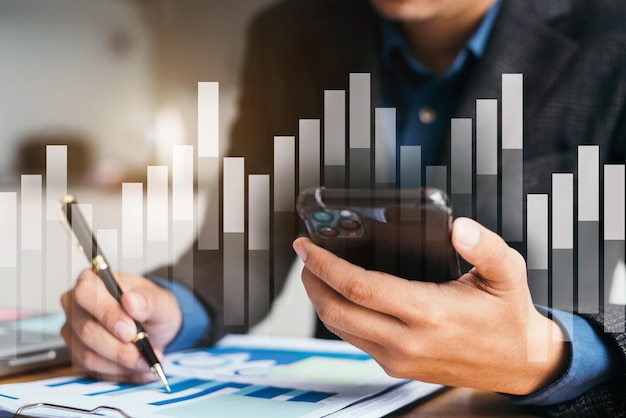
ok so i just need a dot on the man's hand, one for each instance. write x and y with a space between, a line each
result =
477 331
99 331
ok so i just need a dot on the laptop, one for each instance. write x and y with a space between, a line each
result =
32 343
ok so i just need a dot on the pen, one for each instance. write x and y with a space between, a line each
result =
78 229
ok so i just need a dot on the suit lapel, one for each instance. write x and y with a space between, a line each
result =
521 42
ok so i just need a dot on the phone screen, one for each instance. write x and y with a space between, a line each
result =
404 232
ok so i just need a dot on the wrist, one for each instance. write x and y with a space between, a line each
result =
548 354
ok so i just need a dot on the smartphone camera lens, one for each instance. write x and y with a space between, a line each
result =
328 231
349 220
322 216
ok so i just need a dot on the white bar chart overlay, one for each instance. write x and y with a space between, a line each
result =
588 229
487 163
335 138
360 129
563 242
614 236
512 202
234 244
208 164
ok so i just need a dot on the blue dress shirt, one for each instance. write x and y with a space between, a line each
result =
425 102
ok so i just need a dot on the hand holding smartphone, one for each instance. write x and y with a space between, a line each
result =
404 232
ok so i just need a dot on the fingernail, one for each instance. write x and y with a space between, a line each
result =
124 331
467 233
142 365
299 249
139 301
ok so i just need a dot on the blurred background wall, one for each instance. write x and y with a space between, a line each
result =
116 80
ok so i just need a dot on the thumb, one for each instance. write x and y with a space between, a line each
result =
495 262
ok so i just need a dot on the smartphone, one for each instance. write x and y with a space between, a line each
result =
404 232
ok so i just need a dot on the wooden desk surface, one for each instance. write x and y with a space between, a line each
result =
456 402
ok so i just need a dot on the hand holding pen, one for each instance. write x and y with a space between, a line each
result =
103 330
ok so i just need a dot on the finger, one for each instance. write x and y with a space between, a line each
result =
492 258
84 333
91 295
90 359
346 317
375 290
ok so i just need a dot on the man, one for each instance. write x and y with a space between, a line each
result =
444 54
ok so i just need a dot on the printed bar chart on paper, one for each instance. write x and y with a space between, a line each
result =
242 376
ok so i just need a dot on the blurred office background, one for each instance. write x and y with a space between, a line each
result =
116 80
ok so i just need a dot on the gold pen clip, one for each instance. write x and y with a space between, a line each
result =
68 199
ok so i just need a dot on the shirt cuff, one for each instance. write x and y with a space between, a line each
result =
196 321
593 361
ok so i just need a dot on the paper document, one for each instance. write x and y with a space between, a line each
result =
242 376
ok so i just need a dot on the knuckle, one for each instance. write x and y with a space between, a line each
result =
357 291
330 315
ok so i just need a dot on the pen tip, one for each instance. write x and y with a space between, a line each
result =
158 370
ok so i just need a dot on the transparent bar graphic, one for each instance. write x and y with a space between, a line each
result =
8 226
360 113
182 234
537 261
360 129
31 210
31 257
208 119
486 137
512 157
614 246
259 286
461 166
209 208
487 163
563 242
157 205
259 212
309 150
385 143
588 229
132 221
512 111
589 183
234 198
410 166
563 211
614 222
234 279
182 183
56 178
537 232
234 261
360 167
513 195
284 174
437 177
334 138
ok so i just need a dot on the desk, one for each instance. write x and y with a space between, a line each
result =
457 402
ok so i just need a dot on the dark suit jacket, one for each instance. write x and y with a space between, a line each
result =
571 52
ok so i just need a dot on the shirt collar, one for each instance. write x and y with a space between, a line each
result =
393 39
